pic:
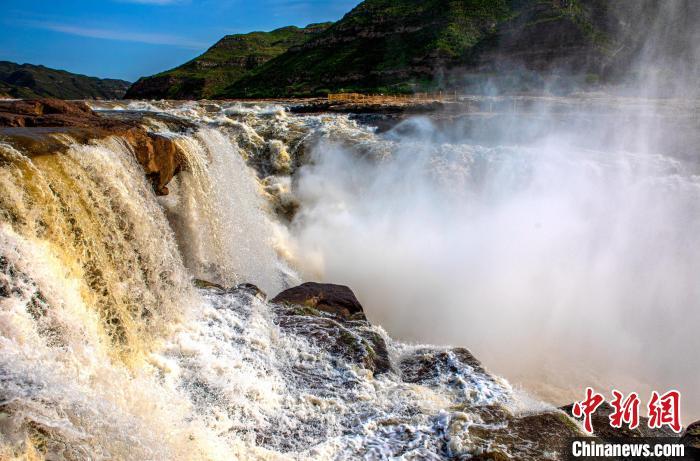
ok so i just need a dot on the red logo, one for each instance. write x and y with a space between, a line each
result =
587 407
625 411
663 410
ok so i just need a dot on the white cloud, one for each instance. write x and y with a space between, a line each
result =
121 35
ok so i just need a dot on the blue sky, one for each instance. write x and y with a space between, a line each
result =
131 38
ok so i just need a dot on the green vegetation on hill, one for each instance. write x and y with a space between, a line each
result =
228 60
394 46
381 46
403 46
30 81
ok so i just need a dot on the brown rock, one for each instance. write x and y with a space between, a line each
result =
425 365
331 317
158 155
335 299
29 123
691 436
49 112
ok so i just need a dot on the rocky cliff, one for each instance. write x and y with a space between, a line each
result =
30 81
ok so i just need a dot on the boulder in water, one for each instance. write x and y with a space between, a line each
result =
425 365
335 299
353 342
331 317
691 437
252 290
206 285
158 155
247 288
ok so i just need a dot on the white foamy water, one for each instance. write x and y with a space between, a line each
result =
217 213
537 253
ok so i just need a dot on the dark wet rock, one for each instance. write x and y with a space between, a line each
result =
494 432
331 317
691 436
526 437
29 124
252 290
246 288
353 342
206 285
603 430
380 352
491 456
425 365
335 299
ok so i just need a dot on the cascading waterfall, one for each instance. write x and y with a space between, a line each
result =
91 283
91 209
216 202
108 352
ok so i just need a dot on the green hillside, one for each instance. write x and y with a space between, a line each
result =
415 45
228 60
30 81
403 46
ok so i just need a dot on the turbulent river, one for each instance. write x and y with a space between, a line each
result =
556 238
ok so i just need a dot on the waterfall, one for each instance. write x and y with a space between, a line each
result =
91 283
217 212
108 351
95 294
91 210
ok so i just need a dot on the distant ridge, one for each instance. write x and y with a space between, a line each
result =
35 81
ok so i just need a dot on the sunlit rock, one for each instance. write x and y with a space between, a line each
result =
327 297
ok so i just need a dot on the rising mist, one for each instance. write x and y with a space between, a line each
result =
556 237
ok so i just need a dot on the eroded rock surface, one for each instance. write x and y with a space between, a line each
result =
34 124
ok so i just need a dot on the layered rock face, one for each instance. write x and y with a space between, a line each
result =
33 122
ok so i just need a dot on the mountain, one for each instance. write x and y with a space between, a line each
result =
409 45
30 81
228 60
404 46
